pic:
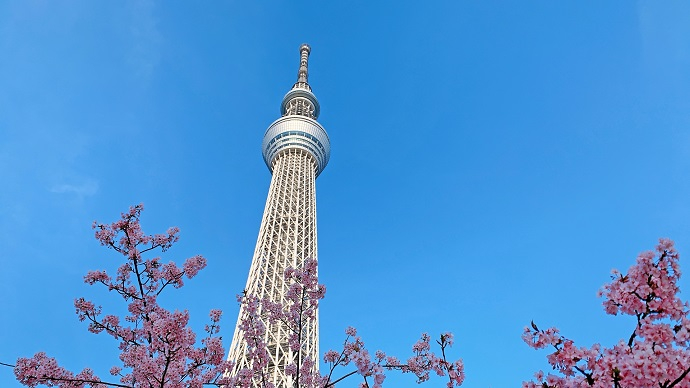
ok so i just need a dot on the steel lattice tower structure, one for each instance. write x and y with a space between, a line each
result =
296 149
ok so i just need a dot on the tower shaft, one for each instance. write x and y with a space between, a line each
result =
286 238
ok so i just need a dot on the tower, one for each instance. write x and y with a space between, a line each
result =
296 149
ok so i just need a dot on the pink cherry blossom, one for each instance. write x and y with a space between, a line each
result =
157 346
656 353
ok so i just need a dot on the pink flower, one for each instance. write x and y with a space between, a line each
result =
215 315
193 265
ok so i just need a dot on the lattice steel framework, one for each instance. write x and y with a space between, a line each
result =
296 149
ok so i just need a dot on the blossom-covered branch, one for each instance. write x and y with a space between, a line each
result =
420 364
655 354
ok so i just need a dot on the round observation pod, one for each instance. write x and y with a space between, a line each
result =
297 132
300 98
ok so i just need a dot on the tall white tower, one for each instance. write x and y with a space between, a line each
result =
296 149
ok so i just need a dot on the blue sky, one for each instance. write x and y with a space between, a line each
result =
491 161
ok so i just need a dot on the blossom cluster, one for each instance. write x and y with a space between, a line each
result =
656 354
302 296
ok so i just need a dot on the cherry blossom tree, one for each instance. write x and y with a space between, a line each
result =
657 352
158 349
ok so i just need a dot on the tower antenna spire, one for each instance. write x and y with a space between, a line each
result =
303 73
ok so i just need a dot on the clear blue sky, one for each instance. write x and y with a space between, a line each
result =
491 161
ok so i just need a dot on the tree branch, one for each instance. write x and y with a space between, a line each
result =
83 381
680 378
341 379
